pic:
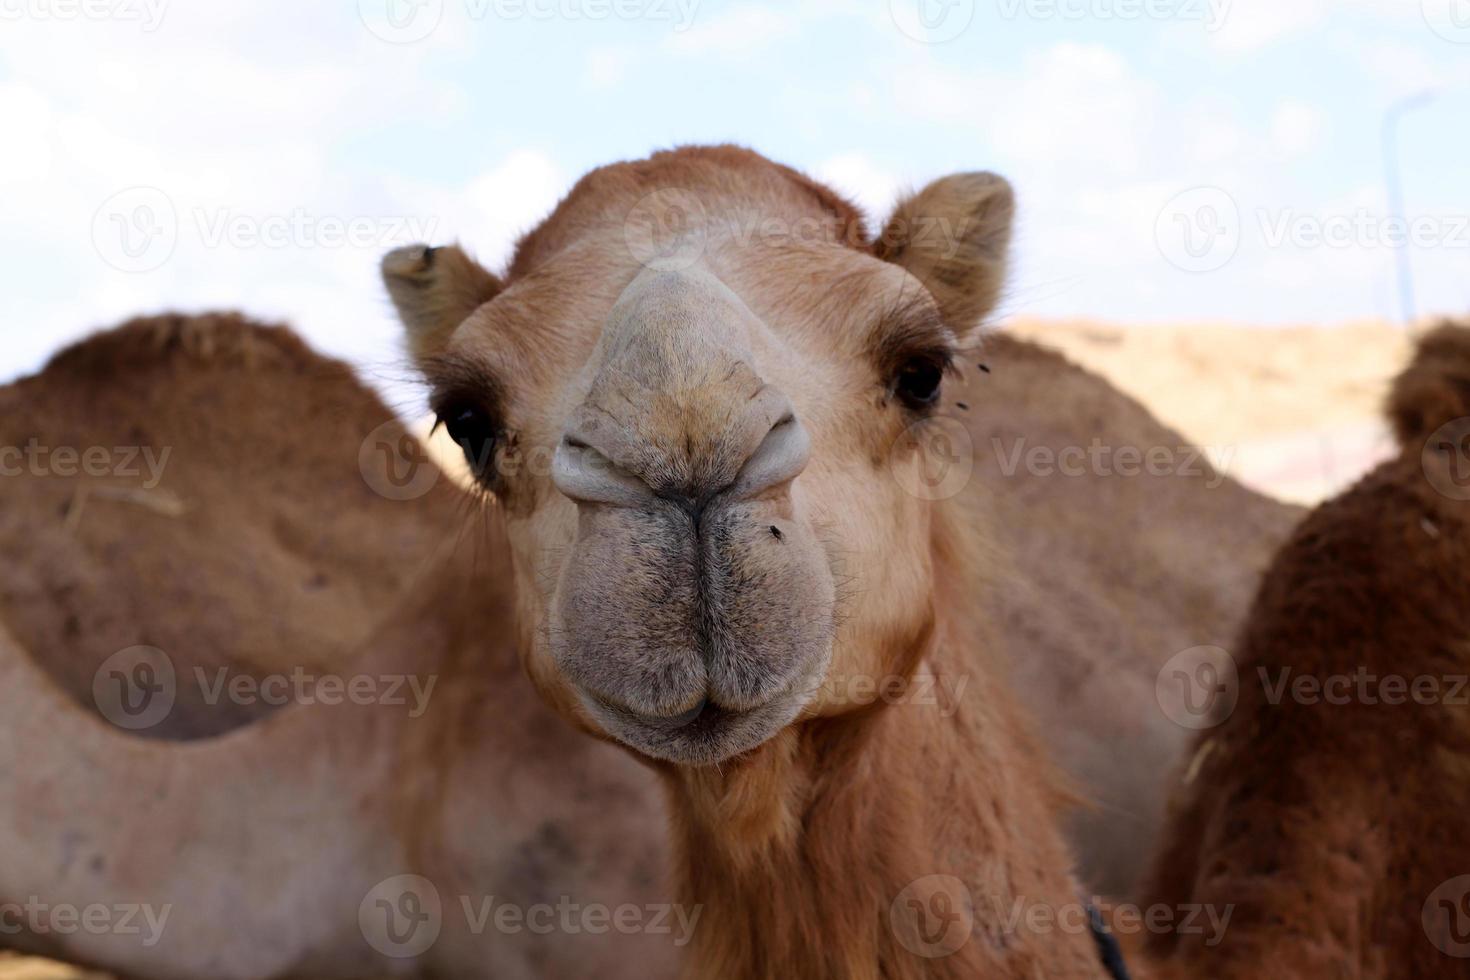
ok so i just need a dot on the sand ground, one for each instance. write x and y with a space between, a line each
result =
1294 412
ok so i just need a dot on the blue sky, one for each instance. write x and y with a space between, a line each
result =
262 155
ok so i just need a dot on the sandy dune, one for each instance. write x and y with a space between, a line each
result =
1293 412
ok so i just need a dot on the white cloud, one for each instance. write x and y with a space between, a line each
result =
1253 24
1068 102
510 199
608 66
1297 128
853 174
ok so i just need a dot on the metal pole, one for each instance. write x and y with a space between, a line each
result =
1395 186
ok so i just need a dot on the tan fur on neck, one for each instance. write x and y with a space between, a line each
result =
797 850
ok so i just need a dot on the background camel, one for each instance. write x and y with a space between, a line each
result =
263 548
1327 808
676 401
1108 577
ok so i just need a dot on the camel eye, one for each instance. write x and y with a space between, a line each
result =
918 382
475 432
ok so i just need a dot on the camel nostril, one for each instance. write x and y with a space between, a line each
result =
781 456
586 475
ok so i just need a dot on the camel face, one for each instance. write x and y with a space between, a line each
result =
682 460
701 454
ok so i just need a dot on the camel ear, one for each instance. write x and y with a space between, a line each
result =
435 289
954 236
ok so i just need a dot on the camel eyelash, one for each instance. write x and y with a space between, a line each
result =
911 336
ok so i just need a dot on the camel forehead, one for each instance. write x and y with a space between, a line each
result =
709 181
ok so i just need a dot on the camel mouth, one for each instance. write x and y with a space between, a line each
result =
706 734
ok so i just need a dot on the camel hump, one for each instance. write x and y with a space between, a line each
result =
223 339
1434 389
213 489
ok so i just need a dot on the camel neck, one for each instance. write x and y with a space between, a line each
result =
914 838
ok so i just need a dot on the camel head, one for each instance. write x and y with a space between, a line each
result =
693 397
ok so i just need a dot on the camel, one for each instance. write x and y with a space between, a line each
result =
702 400
1150 565
1326 806
257 838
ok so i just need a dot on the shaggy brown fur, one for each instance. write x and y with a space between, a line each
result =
814 854
1330 818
